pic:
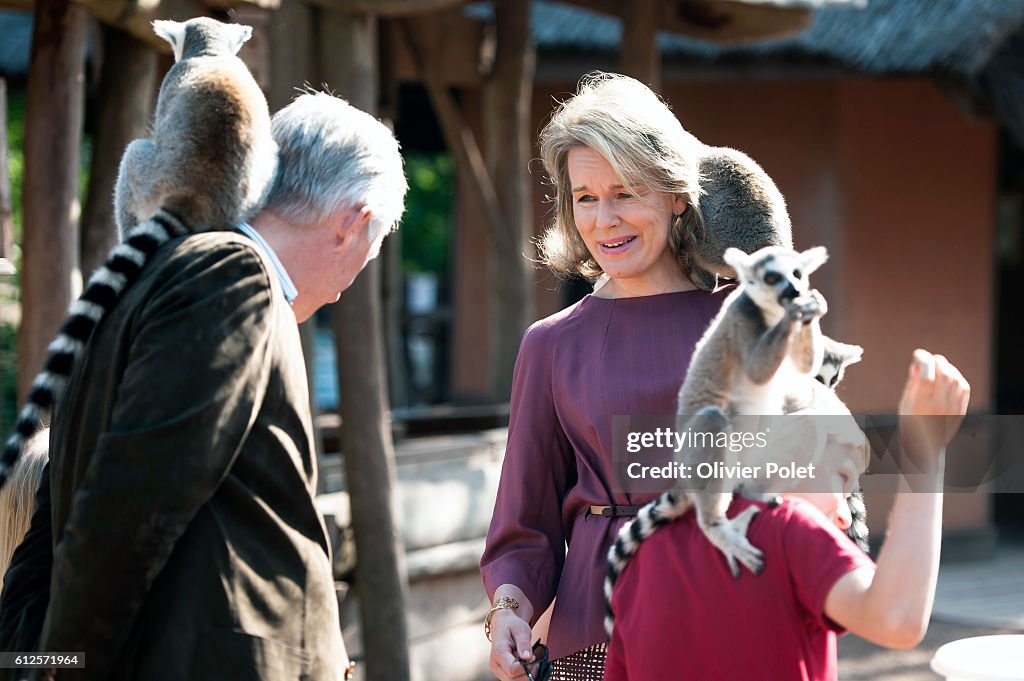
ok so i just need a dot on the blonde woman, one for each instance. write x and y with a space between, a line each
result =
18 496
626 188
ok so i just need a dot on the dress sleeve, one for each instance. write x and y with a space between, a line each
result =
818 555
196 375
526 540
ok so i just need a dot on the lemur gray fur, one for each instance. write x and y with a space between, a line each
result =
765 345
208 164
742 208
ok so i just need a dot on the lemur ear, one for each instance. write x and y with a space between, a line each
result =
813 258
738 260
849 354
239 34
173 32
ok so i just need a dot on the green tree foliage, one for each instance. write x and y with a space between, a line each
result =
427 223
8 289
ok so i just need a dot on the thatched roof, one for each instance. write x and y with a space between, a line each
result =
15 42
883 36
978 42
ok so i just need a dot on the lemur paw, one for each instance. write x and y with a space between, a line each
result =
730 537
822 303
806 308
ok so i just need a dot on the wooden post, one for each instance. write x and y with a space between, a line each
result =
348 54
641 57
507 112
6 226
291 46
125 100
53 127
6 211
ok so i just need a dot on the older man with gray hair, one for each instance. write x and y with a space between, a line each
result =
185 538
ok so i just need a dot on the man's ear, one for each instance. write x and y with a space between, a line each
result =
352 223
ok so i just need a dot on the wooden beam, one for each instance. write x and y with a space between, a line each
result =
390 8
124 102
348 59
53 136
422 38
456 59
6 210
134 16
720 21
17 5
641 57
507 117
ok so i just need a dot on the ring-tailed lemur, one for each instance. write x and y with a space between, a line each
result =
766 346
742 208
758 357
208 165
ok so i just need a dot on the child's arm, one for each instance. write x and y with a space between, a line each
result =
891 604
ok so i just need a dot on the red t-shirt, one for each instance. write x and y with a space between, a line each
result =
680 614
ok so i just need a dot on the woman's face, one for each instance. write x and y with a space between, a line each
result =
626 232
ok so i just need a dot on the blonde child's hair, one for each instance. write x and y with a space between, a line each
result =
18 496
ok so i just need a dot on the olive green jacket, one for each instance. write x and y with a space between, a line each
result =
187 544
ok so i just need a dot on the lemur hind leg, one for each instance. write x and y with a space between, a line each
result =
728 535
134 200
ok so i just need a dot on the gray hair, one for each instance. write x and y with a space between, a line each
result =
334 156
641 139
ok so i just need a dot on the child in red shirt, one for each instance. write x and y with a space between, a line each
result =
679 613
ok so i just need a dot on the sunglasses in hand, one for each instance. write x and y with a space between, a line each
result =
541 665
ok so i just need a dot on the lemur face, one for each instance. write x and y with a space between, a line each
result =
774 276
837 357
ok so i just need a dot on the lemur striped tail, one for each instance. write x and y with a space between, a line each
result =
121 269
652 516
858 529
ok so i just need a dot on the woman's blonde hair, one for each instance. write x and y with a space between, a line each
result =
18 496
635 132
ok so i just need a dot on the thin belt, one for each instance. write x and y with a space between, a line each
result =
613 511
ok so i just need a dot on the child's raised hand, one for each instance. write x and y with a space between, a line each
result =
934 388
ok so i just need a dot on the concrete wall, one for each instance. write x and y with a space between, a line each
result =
446 490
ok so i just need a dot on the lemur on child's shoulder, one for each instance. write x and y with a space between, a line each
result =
208 164
764 354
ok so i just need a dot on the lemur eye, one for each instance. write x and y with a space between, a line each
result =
772 278
798 274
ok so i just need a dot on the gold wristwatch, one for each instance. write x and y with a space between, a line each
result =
500 604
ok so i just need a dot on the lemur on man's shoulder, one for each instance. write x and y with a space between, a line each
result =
208 164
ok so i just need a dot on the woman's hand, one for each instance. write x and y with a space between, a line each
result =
510 644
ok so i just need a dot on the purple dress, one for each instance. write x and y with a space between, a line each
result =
576 369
